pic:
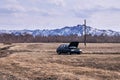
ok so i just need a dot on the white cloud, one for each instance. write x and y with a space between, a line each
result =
105 20
57 2
18 8
99 13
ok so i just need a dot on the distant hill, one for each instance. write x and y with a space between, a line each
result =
66 31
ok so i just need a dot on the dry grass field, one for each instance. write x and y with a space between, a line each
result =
39 61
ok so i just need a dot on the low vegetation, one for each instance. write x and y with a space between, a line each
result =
39 61
27 38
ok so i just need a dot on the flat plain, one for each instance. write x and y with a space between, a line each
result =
39 61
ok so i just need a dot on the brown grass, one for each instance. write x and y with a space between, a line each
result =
39 61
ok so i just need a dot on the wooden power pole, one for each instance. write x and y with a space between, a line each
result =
85 32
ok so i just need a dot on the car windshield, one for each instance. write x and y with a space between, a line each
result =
64 45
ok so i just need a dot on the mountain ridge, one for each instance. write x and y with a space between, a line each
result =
65 31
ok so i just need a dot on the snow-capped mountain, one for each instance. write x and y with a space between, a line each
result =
78 30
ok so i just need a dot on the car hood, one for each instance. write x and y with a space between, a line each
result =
73 44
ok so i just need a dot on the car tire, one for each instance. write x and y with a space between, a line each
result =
69 53
78 53
59 53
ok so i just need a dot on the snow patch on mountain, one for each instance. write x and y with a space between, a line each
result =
66 31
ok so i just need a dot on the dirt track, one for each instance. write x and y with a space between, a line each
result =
39 61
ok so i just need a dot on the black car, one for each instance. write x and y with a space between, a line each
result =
69 48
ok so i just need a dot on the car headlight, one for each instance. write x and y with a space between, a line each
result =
80 50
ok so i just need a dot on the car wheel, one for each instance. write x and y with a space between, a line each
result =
69 53
78 53
59 53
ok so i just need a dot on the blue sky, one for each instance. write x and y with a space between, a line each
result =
51 14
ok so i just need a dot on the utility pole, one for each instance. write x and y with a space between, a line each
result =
85 33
